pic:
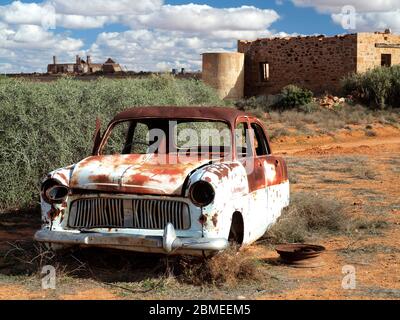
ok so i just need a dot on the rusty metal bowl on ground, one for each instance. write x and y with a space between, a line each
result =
301 255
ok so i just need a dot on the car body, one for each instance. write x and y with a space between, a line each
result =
162 195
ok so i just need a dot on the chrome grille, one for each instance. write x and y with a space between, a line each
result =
128 213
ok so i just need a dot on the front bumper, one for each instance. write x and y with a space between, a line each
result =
168 243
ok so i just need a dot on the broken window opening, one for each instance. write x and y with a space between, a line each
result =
386 60
264 71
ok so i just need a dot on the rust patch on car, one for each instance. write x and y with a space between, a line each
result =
101 178
53 213
203 219
139 179
215 220
62 176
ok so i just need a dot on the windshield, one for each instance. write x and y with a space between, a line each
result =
147 136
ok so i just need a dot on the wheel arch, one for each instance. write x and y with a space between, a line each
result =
236 232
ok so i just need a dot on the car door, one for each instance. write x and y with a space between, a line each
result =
244 151
268 169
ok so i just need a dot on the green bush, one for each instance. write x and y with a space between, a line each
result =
258 105
44 126
378 87
293 96
394 96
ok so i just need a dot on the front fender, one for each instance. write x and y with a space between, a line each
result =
53 214
230 184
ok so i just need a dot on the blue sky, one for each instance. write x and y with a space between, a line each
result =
160 35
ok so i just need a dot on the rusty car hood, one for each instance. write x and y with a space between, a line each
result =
134 174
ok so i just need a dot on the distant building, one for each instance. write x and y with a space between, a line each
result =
83 67
110 66
314 62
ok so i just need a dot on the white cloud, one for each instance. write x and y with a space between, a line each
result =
83 22
335 6
370 15
31 34
34 37
74 14
373 21
105 7
28 48
192 17
148 50
24 13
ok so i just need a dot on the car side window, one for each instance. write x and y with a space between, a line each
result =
242 139
260 141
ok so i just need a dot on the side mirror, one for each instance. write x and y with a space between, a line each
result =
96 137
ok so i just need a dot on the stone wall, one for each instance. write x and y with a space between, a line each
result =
316 62
371 46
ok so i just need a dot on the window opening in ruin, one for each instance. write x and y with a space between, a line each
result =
386 60
264 71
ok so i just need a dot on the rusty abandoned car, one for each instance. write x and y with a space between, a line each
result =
152 185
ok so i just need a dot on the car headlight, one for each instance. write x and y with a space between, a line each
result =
54 192
202 193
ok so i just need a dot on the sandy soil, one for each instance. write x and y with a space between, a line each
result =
379 276
377 270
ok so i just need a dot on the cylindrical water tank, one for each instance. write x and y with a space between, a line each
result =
225 72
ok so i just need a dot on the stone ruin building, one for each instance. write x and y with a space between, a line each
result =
83 67
318 63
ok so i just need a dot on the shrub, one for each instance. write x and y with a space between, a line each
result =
44 126
378 87
226 268
293 96
308 213
258 105
394 97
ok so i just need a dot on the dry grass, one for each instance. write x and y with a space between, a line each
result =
362 172
310 216
317 120
130 272
367 226
226 268
308 213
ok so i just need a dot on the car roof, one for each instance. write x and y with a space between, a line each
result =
172 112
